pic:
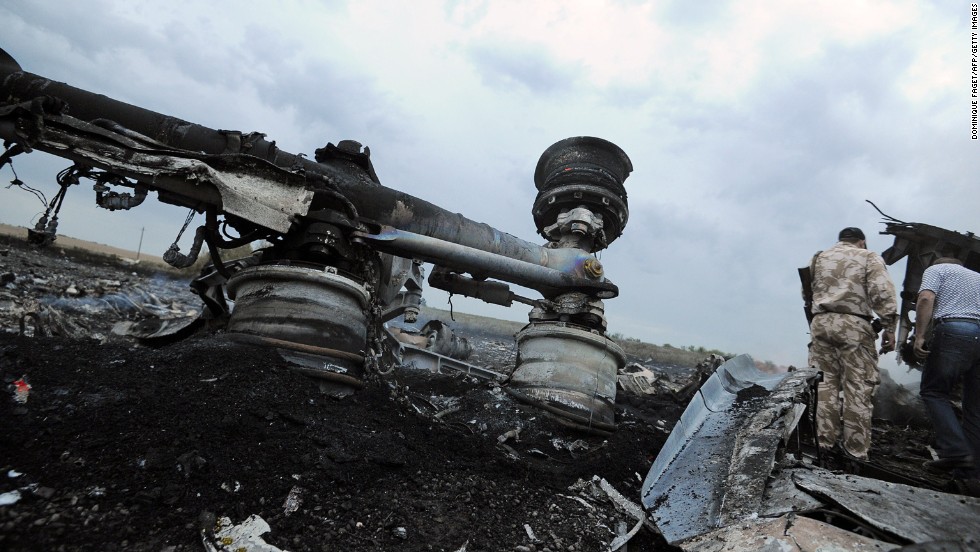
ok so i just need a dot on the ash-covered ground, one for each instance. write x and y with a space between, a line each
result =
121 446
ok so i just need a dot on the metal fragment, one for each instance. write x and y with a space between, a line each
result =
716 462
912 513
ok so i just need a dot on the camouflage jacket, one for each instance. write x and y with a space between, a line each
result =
851 280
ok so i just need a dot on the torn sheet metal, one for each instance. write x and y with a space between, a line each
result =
715 464
782 496
912 513
789 533
757 440
969 545
412 357
160 331
241 185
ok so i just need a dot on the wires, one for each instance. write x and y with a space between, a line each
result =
20 184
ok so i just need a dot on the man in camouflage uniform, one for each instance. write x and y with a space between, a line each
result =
850 285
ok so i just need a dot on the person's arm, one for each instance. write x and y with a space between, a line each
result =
923 315
884 301
887 340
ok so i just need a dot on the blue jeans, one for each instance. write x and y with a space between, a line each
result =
954 356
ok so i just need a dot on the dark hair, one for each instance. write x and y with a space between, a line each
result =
850 234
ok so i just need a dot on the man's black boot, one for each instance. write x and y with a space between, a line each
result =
949 464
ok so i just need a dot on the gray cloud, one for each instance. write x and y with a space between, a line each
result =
733 189
505 65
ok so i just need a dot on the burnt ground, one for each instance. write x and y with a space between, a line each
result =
132 448
121 446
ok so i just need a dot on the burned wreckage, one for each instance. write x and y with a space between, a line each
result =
345 257
346 252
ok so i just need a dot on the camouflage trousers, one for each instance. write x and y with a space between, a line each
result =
843 347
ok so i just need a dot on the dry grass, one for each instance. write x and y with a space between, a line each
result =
635 349
92 253
19 233
664 354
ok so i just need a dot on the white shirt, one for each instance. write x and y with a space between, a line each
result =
957 291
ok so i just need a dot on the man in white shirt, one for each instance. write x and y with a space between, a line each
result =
949 297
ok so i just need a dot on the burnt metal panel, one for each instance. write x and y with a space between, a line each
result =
716 462
787 533
782 496
771 422
912 513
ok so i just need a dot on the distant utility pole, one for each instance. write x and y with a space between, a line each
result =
140 247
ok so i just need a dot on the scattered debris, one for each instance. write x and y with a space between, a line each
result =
640 379
82 301
244 537
293 500
514 434
9 498
21 390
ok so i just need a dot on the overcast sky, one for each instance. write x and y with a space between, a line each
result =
757 130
